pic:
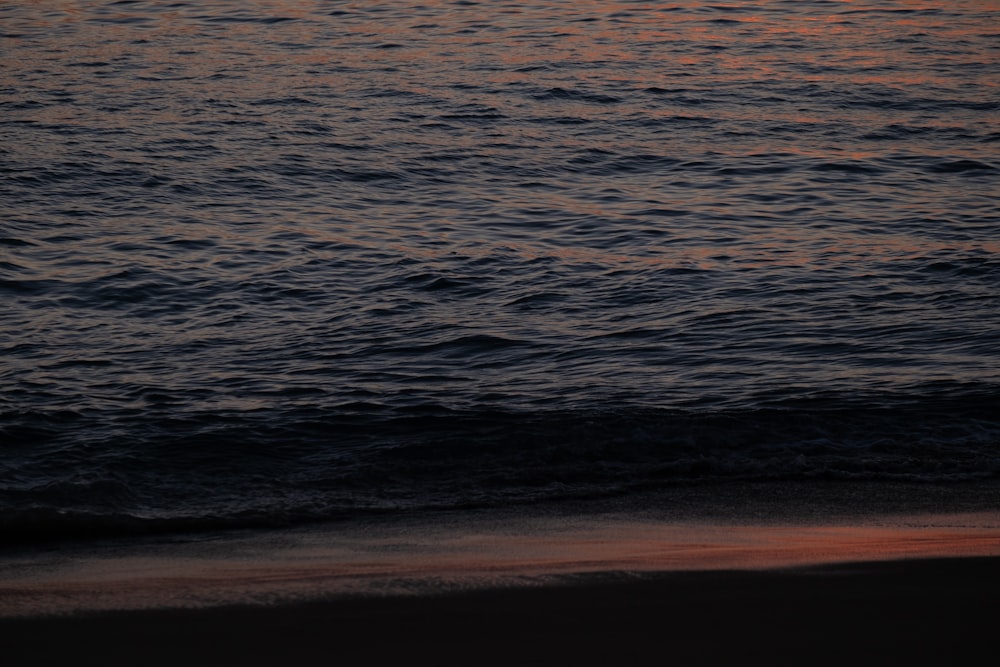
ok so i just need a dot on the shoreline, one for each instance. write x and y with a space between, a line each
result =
917 611
458 552
702 579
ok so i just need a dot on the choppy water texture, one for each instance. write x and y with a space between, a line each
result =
282 260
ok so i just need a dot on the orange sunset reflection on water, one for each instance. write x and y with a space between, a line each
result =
673 58
414 255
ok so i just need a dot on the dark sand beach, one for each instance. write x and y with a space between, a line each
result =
598 589
934 611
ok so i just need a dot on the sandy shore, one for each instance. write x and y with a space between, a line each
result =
595 589
924 611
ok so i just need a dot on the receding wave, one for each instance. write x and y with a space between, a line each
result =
224 471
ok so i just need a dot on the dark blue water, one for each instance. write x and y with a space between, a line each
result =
277 261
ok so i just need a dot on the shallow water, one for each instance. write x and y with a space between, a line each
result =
271 567
276 261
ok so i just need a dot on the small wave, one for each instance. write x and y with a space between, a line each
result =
236 18
612 163
462 347
308 464
32 287
960 166
902 132
473 117
367 175
433 282
574 95
852 167
283 101
44 525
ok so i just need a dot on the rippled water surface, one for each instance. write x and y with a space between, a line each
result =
291 259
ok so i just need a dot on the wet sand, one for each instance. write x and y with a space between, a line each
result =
558 590
937 611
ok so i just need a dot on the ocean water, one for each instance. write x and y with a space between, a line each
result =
279 261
